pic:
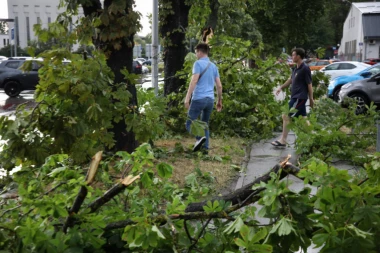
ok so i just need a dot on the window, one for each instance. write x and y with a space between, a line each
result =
49 20
36 65
12 64
343 66
375 70
332 66
27 29
38 20
312 63
4 41
323 63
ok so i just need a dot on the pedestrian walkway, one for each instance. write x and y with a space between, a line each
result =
264 156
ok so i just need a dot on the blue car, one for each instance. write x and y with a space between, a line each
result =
337 83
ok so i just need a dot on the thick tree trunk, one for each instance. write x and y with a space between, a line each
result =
117 60
213 18
173 31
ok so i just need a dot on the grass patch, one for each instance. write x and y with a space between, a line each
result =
224 160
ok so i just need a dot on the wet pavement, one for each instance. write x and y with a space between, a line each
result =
8 105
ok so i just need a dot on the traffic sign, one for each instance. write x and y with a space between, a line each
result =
360 43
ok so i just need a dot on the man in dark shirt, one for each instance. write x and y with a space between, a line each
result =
302 89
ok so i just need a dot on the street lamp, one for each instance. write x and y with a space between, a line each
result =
15 30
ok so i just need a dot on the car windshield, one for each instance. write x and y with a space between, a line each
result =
374 70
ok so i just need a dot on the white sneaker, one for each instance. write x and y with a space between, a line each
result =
198 144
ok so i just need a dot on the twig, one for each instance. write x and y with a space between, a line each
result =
199 236
9 210
187 231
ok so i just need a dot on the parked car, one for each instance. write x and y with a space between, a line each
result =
137 67
2 58
336 84
147 62
317 65
372 61
141 60
344 68
363 91
14 80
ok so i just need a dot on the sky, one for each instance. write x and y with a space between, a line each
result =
143 6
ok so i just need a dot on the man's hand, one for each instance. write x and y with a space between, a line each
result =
187 105
279 89
219 106
311 101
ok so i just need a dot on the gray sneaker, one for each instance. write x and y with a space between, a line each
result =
198 144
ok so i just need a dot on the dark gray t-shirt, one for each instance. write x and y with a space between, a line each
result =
301 77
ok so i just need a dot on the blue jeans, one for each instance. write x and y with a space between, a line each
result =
204 108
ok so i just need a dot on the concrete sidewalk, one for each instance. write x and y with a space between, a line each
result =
264 156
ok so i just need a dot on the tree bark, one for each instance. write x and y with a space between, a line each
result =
117 60
173 32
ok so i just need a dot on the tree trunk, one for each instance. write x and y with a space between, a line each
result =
117 60
173 32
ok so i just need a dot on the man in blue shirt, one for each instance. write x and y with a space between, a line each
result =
302 89
201 92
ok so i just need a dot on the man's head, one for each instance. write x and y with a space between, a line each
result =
298 54
201 50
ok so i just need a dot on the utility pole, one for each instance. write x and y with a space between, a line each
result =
155 47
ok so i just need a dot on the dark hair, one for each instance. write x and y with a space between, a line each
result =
300 52
203 47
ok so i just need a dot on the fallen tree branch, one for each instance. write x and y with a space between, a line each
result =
115 190
242 194
83 191
239 198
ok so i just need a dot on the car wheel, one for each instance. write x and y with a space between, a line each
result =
361 101
336 94
12 88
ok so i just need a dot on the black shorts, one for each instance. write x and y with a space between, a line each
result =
300 105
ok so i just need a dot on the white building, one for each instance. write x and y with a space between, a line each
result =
27 13
4 40
361 32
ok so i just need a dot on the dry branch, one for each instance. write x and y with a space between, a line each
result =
83 191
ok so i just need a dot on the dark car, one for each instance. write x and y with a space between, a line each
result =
363 91
14 80
372 61
147 62
137 67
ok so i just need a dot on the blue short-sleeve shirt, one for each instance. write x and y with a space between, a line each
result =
206 83
301 78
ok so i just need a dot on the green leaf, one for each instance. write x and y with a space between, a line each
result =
164 170
239 242
155 229
235 226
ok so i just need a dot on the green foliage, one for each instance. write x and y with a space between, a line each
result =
335 132
320 52
249 106
319 81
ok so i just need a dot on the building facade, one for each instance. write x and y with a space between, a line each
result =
361 32
28 13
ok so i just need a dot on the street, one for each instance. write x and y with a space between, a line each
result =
8 105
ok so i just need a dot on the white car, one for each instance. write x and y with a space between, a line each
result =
344 68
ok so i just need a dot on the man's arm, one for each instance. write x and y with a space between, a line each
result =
310 91
285 85
219 90
193 83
